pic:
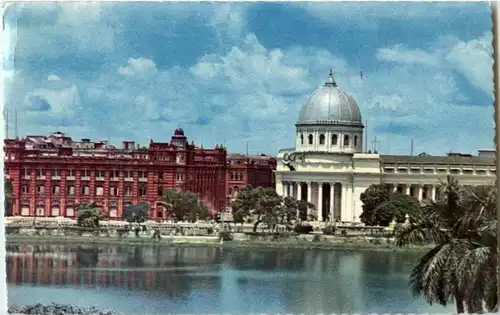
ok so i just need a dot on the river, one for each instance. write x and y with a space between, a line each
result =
153 280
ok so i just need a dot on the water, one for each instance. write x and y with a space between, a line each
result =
153 280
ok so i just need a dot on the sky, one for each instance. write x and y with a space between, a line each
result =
238 73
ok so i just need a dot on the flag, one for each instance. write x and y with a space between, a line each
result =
361 75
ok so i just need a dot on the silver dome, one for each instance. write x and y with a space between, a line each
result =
330 105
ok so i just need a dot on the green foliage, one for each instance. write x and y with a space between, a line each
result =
8 195
264 205
303 207
138 216
184 205
303 229
396 208
329 230
225 236
462 265
89 215
373 196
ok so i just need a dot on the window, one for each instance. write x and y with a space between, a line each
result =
40 173
85 190
115 174
322 139
113 191
334 139
160 175
310 139
70 190
128 190
142 191
346 140
25 189
100 174
85 173
301 139
40 189
55 173
99 190
70 173
160 191
355 141
55 189
143 174
127 174
26 172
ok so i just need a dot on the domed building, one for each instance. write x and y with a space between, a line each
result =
330 168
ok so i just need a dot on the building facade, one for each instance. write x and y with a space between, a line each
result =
329 167
51 175
255 170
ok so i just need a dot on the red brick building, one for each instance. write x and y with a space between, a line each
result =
52 174
255 170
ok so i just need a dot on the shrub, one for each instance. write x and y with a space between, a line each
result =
329 230
316 238
225 236
303 229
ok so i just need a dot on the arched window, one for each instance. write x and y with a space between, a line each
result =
334 139
301 139
355 141
346 140
310 139
322 139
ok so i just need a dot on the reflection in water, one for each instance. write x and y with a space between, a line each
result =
183 279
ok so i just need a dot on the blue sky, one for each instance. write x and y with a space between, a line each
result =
238 72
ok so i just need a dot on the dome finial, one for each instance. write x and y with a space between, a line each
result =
330 81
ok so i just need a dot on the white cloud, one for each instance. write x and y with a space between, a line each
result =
474 60
53 77
138 67
401 54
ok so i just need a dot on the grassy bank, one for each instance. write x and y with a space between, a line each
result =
335 244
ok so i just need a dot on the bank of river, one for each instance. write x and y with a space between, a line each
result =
330 243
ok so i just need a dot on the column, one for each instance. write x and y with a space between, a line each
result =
62 192
332 200
344 216
433 192
320 202
408 189
395 188
299 195
309 195
420 192
283 187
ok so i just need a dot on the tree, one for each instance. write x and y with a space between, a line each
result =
89 215
290 209
263 204
184 205
8 195
138 213
244 203
374 196
303 206
396 208
461 267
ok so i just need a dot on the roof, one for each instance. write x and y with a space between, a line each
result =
448 160
330 104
